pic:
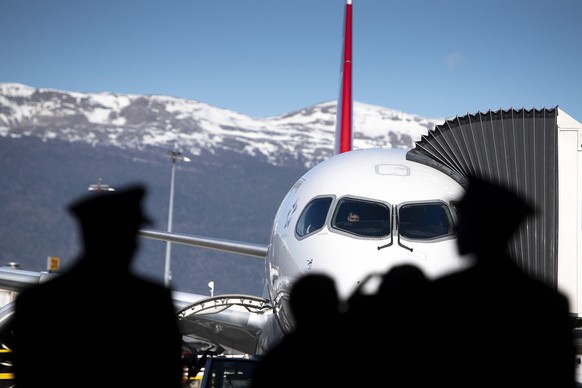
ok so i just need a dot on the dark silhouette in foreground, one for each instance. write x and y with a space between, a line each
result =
387 324
298 358
492 324
98 324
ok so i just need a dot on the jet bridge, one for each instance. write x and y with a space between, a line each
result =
537 154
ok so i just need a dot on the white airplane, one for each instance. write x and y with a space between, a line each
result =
357 214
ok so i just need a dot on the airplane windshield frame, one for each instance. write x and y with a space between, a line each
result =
362 218
314 216
365 218
425 220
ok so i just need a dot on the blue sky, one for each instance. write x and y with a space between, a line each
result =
267 57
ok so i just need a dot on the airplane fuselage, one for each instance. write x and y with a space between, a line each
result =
360 213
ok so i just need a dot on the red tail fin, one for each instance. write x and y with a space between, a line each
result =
343 141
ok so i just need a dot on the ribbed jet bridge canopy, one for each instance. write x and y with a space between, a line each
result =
514 148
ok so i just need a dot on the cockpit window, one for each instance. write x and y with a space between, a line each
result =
313 217
425 220
362 218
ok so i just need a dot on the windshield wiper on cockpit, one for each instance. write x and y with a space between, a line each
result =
402 245
395 223
392 223
387 245
398 231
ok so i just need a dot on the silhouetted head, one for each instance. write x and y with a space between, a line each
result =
402 279
489 215
313 298
109 221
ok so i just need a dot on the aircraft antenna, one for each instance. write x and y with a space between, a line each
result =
345 105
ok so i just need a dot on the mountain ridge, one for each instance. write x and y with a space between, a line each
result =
136 121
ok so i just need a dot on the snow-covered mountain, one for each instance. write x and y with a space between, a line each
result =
137 121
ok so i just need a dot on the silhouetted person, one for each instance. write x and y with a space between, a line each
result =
300 358
389 326
492 324
400 288
98 324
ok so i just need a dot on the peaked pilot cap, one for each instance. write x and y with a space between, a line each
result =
111 210
494 207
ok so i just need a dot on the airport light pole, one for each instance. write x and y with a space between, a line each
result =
175 156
